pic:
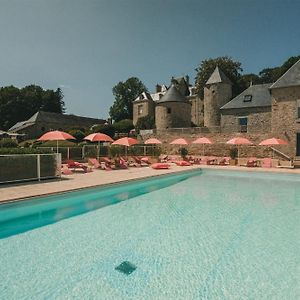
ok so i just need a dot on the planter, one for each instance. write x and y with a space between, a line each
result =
233 162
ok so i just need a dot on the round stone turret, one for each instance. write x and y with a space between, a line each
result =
173 110
218 92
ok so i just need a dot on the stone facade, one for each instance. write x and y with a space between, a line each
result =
259 119
285 117
143 108
197 110
215 96
173 115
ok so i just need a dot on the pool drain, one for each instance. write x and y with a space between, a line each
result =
126 267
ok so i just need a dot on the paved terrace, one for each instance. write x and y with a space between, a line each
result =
99 177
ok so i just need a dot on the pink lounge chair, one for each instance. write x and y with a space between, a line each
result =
182 163
252 162
225 161
65 170
76 165
267 162
94 162
159 166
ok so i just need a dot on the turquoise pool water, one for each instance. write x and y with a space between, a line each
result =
218 235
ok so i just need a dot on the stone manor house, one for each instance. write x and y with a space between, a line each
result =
271 109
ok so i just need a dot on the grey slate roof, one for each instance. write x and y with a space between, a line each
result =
50 117
290 78
143 96
260 97
218 76
172 95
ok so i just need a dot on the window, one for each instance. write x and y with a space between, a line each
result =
298 109
247 98
169 110
140 109
243 123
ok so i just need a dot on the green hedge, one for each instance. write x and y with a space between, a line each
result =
4 151
24 167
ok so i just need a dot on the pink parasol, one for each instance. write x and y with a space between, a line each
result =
152 141
98 137
125 141
56 136
239 141
179 142
273 142
203 141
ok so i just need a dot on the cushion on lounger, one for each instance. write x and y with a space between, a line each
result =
182 163
160 166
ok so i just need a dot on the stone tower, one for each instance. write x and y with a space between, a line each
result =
173 110
217 92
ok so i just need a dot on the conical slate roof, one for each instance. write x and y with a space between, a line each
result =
290 78
172 95
218 77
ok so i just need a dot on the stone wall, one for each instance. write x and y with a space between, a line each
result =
197 110
173 115
285 122
219 146
259 119
215 96
147 109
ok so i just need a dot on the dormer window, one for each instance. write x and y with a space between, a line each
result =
247 98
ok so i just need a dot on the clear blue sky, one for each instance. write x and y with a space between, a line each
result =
88 46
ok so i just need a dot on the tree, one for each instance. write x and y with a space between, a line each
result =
20 104
125 93
105 128
269 75
146 122
123 126
231 68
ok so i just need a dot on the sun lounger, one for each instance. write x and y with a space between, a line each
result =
159 166
182 163
94 163
65 170
225 161
76 165
252 162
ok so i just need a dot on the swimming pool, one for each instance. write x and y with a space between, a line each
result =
213 235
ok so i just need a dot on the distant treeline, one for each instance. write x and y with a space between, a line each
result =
20 104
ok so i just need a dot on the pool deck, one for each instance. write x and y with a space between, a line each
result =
78 180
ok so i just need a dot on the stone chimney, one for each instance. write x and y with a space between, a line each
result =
158 88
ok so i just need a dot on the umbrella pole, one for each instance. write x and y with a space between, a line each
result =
98 149
57 146
202 149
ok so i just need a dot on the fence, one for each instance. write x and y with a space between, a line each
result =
207 130
25 167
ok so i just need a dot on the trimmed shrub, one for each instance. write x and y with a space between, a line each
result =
183 152
78 134
6 151
143 123
8 143
123 126
233 153
106 129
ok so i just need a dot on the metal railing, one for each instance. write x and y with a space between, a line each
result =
215 129
26 167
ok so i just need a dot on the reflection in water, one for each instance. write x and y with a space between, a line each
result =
23 216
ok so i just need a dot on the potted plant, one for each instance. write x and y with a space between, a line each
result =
183 153
233 156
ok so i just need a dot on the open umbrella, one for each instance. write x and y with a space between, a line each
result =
56 136
152 141
239 141
203 141
125 141
98 137
273 142
179 142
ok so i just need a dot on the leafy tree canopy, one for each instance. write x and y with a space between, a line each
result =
123 126
105 128
231 68
20 104
147 122
125 93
